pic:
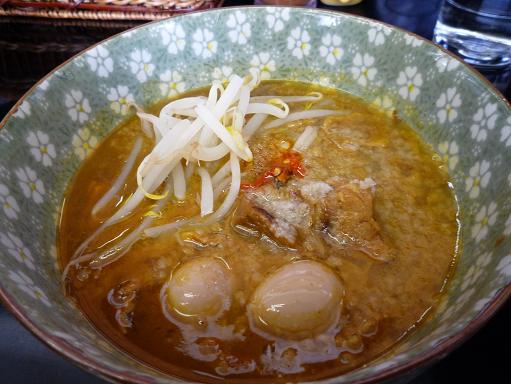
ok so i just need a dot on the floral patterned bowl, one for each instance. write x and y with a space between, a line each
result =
61 119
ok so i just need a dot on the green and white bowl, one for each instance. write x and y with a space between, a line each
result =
60 120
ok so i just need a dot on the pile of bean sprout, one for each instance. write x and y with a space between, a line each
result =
188 136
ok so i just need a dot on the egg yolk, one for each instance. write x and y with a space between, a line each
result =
200 288
299 300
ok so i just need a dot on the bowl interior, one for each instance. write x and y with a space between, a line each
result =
58 122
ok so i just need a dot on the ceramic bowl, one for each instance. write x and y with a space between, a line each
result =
61 119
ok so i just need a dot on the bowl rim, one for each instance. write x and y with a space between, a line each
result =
434 354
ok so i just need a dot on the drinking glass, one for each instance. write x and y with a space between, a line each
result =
479 31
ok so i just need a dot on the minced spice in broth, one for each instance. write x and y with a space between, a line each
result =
414 208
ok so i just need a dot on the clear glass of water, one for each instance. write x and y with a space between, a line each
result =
479 31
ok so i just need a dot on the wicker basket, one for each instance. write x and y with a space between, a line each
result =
103 9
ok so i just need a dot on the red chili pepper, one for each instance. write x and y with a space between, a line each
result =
288 164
